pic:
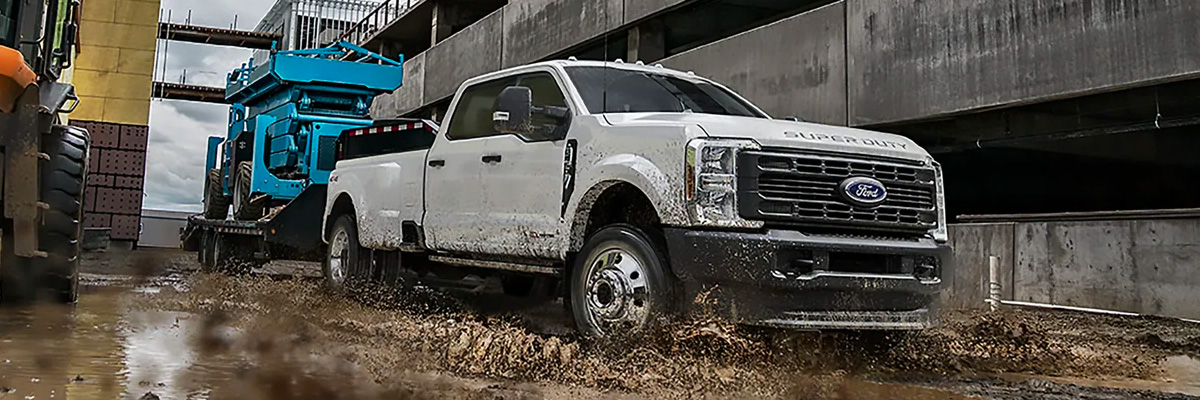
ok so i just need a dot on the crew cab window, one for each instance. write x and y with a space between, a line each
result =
616 90
472 116
545 92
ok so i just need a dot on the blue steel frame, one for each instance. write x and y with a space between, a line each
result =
274 102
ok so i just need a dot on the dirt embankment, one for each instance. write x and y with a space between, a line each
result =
429 345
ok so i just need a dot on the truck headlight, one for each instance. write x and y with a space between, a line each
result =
710 187
939 233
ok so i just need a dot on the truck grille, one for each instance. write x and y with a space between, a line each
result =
796 188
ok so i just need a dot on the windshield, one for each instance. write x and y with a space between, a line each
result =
638 91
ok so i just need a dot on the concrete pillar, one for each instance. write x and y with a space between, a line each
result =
647 42
443 21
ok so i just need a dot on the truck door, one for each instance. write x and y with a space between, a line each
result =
523 181
454 195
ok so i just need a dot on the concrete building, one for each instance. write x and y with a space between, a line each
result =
1074 111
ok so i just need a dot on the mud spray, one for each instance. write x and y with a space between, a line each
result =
302 341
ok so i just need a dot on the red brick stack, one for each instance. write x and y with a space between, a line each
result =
116 173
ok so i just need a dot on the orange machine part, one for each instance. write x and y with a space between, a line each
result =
15 75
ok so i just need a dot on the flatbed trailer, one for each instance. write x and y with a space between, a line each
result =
294 231
289 232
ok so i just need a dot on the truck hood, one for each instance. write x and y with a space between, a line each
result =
784 134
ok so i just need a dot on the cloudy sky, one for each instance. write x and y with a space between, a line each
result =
179 129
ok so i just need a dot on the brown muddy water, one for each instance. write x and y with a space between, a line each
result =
148 327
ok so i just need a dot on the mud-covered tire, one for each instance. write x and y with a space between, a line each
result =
216 203
228 254
243 210
347 264
621 283
63 179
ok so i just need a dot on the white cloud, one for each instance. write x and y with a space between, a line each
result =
179 130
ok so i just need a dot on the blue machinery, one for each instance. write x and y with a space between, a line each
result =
285 116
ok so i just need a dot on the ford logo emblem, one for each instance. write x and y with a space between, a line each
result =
863 191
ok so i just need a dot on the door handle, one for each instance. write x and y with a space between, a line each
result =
437 163
493 158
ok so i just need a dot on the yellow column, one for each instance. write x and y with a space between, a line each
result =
114 71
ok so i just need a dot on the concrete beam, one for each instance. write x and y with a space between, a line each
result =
536 29
473 51
914 60
408 97
647 42
638 9
794 67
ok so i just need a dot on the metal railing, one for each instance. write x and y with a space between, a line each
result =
377 19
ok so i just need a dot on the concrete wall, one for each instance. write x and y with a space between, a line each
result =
917 59
535 29
519 33
1142 266
794 67
866 62
114 70
473 51
409 96
968 280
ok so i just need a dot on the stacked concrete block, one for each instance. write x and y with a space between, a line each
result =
116 174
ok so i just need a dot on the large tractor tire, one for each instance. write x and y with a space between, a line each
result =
243 210
61 233
216 203
55 277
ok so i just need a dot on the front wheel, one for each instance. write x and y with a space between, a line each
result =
620 283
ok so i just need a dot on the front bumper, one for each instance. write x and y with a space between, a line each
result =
805 281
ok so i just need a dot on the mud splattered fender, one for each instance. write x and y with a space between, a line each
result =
622 168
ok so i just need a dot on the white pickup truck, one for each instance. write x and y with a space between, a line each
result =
629 190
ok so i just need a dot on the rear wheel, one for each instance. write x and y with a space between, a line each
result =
620 283
243 209
216 203
347 264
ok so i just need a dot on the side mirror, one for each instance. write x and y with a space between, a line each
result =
794 119
513 111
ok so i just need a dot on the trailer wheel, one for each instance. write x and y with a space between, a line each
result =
243 210
620 283
216 203
230 254
346 262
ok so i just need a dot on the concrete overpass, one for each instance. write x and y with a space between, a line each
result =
1096 91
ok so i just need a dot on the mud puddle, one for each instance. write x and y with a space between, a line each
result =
141 329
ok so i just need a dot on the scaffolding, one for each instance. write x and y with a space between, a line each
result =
310 24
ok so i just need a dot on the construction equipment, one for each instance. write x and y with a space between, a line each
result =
44 160
285 116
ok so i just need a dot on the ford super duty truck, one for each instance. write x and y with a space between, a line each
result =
632 190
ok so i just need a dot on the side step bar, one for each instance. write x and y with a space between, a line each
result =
467 262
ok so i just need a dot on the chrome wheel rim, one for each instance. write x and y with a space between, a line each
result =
616 293
338 256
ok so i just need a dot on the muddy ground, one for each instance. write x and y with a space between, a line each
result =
148 326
